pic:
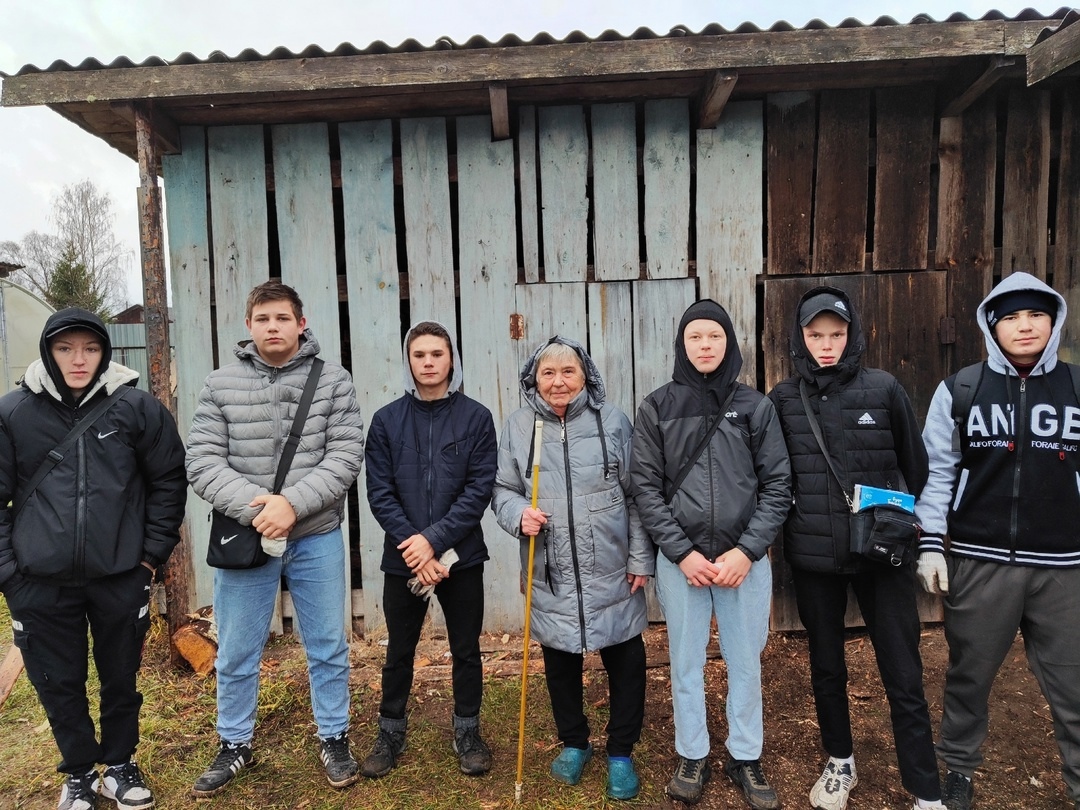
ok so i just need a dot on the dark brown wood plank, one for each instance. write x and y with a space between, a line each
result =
905 132
1066 263
967 152
1055 53
843 170
617 58
1027 183
791 121
718 88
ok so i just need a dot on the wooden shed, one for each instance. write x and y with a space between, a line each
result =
594 187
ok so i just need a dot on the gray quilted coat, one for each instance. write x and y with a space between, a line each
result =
240 426
593 538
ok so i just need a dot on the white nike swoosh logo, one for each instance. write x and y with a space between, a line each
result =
225 540
105 435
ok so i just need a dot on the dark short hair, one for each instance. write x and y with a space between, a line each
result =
430 328
274 291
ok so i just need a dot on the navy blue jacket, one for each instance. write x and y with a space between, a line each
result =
430 470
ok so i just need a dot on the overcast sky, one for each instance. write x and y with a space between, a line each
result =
40 152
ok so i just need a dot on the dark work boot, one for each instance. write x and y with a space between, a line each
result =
388 746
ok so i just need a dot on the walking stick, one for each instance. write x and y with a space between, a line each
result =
538 434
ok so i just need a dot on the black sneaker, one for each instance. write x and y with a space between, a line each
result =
689 780
230 760
958 791
749 777
124 784
79 791
341 768
384 753
474 756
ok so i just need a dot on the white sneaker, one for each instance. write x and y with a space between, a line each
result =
835 785
938 806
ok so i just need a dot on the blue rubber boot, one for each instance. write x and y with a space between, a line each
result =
568 765
622 779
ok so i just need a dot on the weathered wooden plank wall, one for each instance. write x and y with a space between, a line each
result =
585 225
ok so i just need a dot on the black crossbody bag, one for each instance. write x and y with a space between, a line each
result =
882 534
235 545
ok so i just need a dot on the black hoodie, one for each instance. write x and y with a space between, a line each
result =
739 489
115 499
871 433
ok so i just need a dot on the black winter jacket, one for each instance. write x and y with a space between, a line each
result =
430 470
872 435
739 489
116 499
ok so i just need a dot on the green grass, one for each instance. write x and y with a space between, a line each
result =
178 740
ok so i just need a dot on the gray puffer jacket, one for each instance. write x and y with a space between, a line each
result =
240 426
581 598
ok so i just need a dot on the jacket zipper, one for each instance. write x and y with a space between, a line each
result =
429 472
573 541
80 509
1020 418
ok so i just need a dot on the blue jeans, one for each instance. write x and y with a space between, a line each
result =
742 615
314 568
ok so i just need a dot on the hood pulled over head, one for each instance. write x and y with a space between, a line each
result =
721 381
592 395
425 327
812 304
62 321
1015 292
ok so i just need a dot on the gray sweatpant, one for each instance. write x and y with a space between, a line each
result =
987 603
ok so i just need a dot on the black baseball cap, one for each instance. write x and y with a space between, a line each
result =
823 302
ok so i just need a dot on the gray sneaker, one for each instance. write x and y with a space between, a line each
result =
474 756
750 779
689 780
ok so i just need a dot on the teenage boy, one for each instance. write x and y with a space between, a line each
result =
79 549
713 531
431 466
1004 469
239 429
870 433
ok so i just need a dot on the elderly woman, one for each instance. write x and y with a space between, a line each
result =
592 557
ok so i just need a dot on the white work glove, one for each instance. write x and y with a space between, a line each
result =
933 573
448 558
274 548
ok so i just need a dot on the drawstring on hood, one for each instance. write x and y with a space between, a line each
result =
721 381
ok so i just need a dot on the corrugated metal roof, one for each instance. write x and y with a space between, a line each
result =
514 41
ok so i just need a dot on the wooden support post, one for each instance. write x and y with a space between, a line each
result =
718 89
179 575
500 111
998 68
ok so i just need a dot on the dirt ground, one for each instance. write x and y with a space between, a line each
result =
1021 768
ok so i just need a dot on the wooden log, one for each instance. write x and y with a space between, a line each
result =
9 672
196 641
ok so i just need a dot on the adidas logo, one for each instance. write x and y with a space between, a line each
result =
841 306
866 419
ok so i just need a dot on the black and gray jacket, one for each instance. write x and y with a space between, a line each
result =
115 500
739 489
1010 493
870 430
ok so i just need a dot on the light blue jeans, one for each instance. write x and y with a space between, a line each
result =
314 568
742 614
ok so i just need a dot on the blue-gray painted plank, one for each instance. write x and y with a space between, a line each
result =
564 167
367 186
425 181
488 253
189 273
530 221
611 336
731 220
666 168
615 192
303 199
